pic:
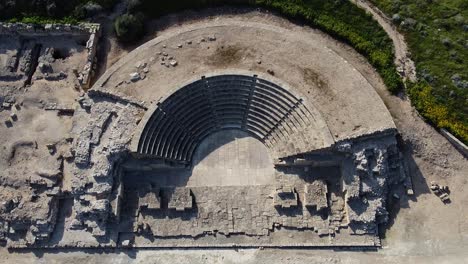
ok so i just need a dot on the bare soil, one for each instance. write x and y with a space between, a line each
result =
422 230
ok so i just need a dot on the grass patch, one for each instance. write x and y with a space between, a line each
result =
437 36
43 20
437 114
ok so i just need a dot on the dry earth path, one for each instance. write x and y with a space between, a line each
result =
402 55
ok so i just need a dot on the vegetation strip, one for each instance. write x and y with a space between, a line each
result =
436 32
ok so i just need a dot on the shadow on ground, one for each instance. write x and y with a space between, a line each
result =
419 184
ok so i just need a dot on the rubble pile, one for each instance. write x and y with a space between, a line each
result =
96 159
376 167
442 191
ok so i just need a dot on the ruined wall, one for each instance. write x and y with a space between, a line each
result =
90 31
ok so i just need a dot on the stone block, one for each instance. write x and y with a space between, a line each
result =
315 195
149 199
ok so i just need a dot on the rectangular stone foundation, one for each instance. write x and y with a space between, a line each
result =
239 216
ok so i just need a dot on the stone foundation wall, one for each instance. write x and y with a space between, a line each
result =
91 31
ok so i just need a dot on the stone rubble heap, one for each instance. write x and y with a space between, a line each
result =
376 167
441 191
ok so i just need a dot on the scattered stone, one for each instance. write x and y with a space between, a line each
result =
13 117
259 62
134 77
140 64
6 105
444 197
8 123
271 72
52 148
410 192
179 46
212 38
440 191
189 42
173 63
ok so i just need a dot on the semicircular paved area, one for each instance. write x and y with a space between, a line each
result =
341 103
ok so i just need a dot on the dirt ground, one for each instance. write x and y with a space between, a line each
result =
422 229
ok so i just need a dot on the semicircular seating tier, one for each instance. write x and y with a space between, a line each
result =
268 112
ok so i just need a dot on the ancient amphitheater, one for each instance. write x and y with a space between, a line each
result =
232 133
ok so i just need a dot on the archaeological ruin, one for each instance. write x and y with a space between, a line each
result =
191 140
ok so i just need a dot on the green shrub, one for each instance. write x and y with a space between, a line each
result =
129 27
437 114
438 45
106 4
134 6
38 20
50 9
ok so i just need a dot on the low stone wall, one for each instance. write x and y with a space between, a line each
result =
455 142
83 29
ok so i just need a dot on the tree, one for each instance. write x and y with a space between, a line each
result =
129 27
